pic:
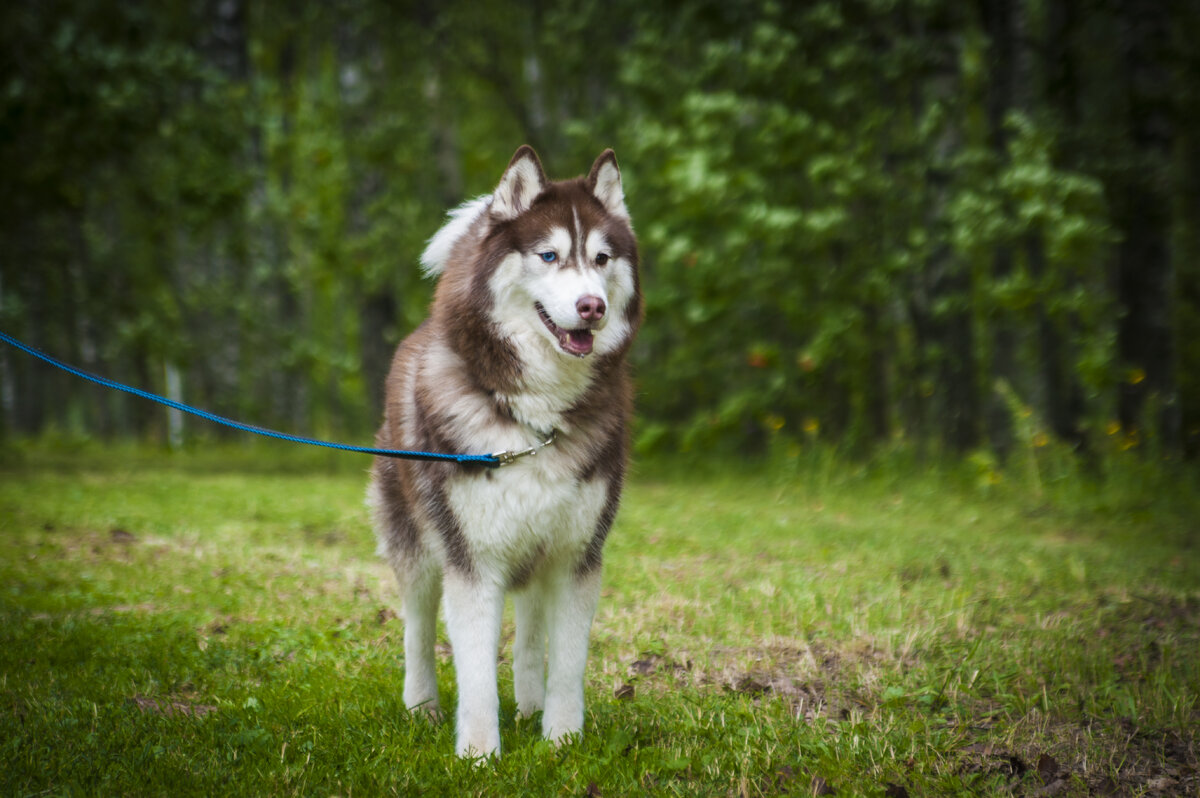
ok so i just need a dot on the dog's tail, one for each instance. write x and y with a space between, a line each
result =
459 223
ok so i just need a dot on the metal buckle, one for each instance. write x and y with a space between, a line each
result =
510 457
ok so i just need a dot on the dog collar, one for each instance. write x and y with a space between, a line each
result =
510 457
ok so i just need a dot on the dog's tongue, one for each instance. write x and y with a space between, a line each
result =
577 342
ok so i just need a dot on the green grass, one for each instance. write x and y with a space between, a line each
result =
218 623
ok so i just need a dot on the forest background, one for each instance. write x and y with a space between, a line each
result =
965 228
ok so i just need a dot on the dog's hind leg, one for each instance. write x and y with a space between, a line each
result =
529 650
571 607
418 578
421 589
473 607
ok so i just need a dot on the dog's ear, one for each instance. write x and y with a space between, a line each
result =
523 180
605 182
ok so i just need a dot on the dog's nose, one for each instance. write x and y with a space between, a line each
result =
590 308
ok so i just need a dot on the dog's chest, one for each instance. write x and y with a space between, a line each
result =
530 511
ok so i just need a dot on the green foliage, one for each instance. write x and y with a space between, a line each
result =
849 230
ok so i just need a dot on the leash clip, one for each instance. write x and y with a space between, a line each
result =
510 457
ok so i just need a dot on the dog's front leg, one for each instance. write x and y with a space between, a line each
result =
571 608
473 606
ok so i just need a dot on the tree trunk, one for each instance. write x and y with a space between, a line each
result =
1066 402
949 285
999 24
878 390
1145 344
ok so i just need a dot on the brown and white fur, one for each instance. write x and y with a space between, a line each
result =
536 305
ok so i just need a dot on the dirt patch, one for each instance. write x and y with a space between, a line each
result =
807 678
1165 767
171 707
1033 755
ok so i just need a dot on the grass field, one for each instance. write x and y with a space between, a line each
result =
218 624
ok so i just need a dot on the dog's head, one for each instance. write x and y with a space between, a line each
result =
570 275
548 268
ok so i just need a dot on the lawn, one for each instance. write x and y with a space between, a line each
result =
218 623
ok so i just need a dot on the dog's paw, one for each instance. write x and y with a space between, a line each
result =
559 738
528 710
429 710
562 721
478 750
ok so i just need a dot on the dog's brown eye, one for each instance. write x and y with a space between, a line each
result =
602 259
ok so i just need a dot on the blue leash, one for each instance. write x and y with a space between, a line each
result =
490 460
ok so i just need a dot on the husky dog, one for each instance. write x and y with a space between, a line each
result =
536 306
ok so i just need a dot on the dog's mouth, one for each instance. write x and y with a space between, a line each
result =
573 342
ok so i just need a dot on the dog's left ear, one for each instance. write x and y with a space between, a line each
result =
605 182
523 180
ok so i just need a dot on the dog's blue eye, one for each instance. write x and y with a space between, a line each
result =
549 257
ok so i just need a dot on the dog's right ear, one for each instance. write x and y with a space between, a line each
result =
523 180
